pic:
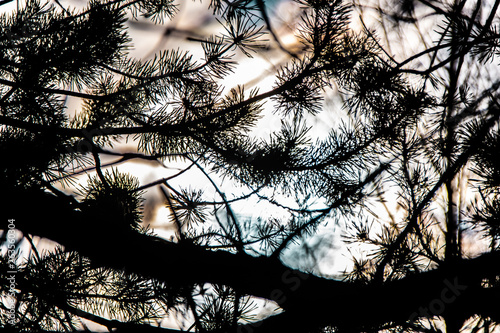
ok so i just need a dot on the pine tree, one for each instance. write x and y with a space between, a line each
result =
409 171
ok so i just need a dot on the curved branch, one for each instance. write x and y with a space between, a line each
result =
329 302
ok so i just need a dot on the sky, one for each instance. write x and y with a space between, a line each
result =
195 19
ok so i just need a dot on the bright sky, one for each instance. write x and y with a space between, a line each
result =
194 18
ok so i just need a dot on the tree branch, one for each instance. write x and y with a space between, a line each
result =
328 301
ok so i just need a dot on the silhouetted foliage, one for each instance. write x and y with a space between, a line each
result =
407 173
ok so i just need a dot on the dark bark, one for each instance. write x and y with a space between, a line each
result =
454 290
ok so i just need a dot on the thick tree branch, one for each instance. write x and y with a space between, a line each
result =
329 302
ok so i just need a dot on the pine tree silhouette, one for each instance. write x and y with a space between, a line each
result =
409 172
